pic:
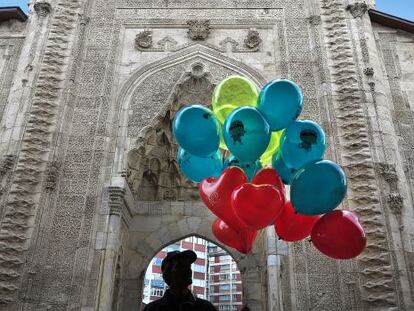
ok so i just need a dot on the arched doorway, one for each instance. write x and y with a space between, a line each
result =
215 274
150 203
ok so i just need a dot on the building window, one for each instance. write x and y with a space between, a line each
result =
224 298
199 268
225 268
225 287
157 292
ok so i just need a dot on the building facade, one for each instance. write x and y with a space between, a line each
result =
224 280
90 190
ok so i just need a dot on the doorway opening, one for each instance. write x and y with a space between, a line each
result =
215 275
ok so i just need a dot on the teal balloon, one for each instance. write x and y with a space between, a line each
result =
302 142
318 188
280 102
249 168
246 134
281 168
198 168
196 130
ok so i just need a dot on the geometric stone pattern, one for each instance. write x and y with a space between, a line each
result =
92 190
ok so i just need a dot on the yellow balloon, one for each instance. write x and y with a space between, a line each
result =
222 143
274 145
231 93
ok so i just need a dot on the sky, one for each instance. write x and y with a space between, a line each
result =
400 8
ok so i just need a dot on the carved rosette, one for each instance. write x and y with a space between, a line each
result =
198 29
357 9
143 40
253 40
369 72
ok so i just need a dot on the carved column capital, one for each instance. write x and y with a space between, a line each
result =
395 202
42 8
358 9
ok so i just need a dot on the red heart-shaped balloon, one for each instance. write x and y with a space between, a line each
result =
257 206
339 235
268 176
216 195
242 241
291 226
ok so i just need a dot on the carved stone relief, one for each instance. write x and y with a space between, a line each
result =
42 8
143 40
52 175
198 29
357 9
253 40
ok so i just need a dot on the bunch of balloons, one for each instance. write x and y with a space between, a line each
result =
246 150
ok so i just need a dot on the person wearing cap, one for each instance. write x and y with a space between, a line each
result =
176 272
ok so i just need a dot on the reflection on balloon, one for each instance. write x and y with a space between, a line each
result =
198 168
246 134
284 172
273 146
231 93
216 195
302 142
339 235
249 168
280 101
292 226
318 188
196 130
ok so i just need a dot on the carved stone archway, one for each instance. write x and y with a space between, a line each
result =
150 205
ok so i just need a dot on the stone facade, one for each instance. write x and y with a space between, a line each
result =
89 186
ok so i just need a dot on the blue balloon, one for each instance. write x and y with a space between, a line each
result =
318 188
281 102
246 134
198 168
196 130
284 172
302 142
250 168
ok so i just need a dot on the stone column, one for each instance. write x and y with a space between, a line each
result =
110 241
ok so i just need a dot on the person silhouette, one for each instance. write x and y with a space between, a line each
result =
176 272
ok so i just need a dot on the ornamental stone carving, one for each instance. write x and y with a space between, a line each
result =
52 175
42 8
198 29
395 202
143 40
369 71
253 40
357 9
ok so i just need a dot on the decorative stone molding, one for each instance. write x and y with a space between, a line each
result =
315 20
42 8
377 279
143 40
198 29
6 164
395 202
25 184
52 175
357 9
369 72
253 40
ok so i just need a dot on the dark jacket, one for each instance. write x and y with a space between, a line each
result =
189 303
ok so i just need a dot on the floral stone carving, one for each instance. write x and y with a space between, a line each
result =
143 40
253 40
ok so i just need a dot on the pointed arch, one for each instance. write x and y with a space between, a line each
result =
194 54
